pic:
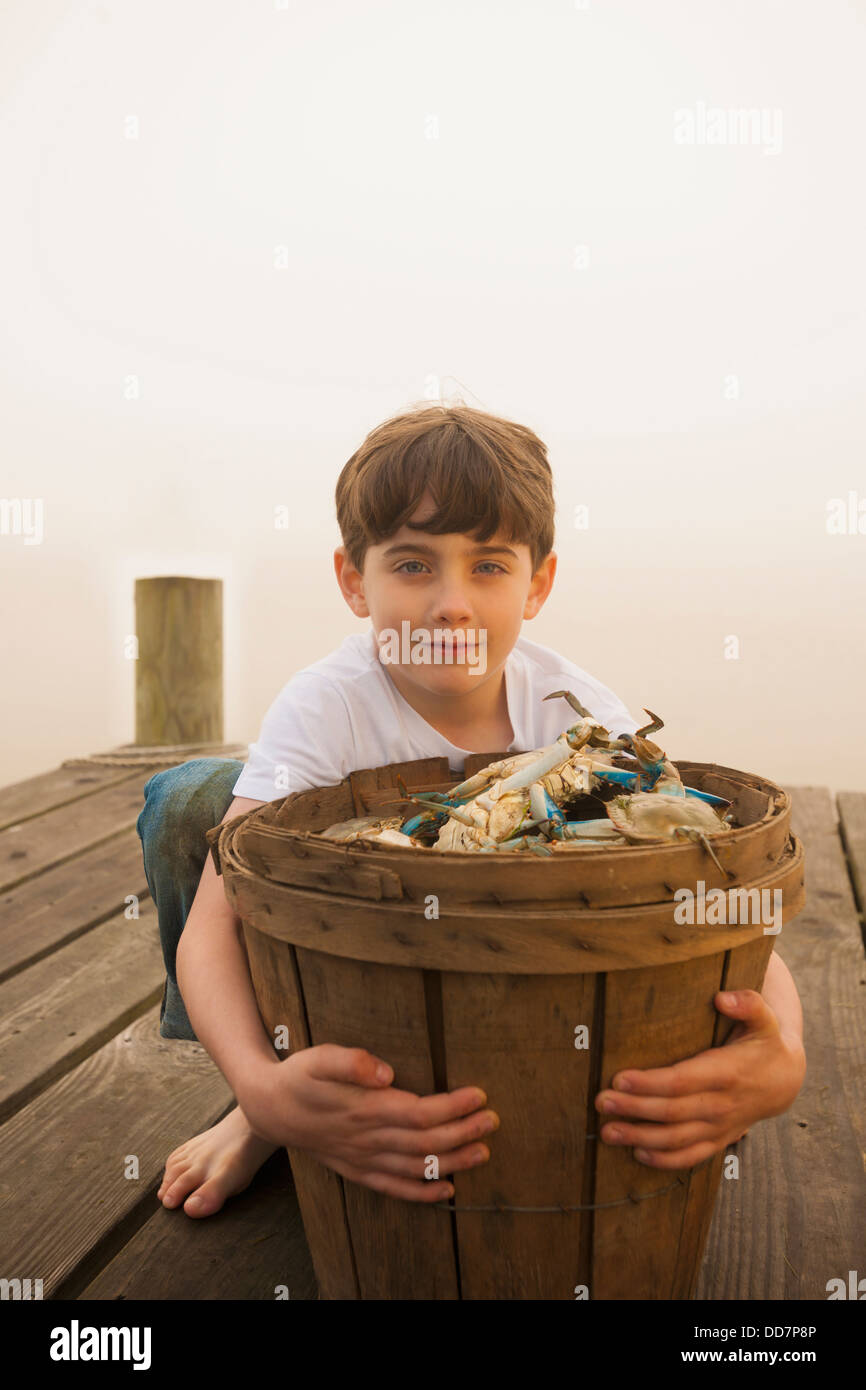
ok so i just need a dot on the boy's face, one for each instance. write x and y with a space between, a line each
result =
451 583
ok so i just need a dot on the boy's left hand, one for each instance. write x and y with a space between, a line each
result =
708 1101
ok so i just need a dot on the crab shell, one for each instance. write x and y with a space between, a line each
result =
363 828
497 816
656 816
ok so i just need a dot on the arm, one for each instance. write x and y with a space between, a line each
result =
780 994
213 977
328 1100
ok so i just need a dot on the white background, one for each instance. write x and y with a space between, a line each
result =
417 265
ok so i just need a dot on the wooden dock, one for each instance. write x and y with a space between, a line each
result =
92 1100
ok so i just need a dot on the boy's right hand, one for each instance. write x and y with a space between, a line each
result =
328 1101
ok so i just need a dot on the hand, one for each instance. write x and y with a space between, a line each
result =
699 1106
328 1101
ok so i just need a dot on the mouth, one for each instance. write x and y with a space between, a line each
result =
457 639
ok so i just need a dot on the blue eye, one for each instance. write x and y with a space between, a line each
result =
497 568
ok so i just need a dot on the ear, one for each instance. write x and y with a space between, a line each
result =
542 583
351 582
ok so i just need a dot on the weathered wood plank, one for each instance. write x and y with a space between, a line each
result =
744 968
274 972
32 846
66 1204
248 1249
62 903
796 1216
538 1083
36 795
641 1242
62 1009
852 827
396 1245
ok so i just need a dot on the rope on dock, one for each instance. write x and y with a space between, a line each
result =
131 755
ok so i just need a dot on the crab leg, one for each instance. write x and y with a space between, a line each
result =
514 773
707 796
620 775
542 806
457 812
597 735
572 700
586 829
522 840
652 728
691 832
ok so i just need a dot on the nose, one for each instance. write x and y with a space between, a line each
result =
452 607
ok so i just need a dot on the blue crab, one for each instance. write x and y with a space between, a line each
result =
383 832
523 791
518 803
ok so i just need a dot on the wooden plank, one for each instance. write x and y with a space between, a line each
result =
744 968
514 1036
477 761
418 770
36 795
401 1249
67 1206
852 827
652 1018
796 1216
251 1248
62 903
274 972
62 1009
32 846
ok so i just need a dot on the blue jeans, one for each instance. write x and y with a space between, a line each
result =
180 804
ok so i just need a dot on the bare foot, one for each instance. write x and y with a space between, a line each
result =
214 1165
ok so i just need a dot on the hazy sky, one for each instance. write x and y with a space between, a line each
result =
236 237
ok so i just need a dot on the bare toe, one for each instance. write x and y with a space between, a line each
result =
206 1199
214 1165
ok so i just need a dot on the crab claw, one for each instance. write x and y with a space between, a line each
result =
652 728
572 700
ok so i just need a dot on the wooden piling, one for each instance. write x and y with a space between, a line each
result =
179 672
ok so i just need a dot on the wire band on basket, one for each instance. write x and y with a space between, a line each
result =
591 1206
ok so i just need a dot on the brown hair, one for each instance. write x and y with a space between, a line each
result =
485 474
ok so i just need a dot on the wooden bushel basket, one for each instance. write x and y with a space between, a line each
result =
345 947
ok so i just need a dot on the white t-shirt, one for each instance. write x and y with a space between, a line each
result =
344 713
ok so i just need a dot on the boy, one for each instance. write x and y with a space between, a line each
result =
446 515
